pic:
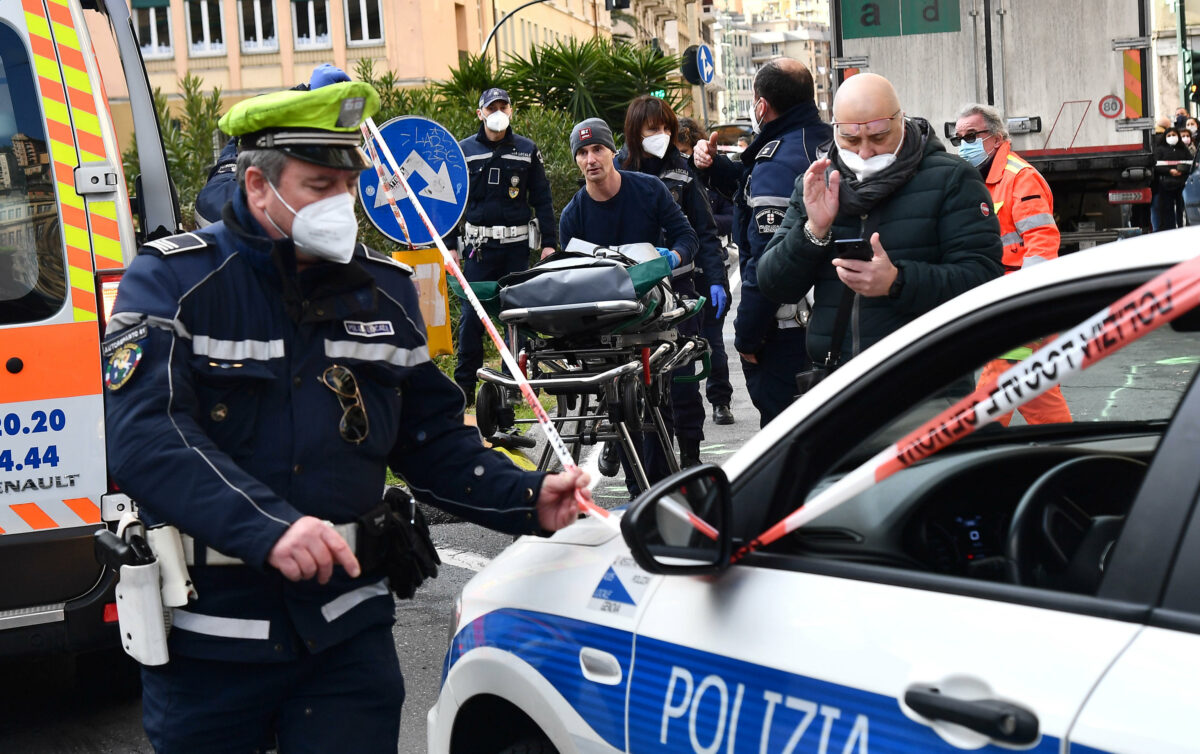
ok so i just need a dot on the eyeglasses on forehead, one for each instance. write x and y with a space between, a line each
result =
870 127
969 137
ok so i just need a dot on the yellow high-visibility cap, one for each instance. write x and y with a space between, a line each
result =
318 126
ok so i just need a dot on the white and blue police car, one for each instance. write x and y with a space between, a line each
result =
1031 587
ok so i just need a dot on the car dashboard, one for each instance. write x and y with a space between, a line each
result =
950 514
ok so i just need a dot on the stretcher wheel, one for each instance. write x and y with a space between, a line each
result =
632 402
487 408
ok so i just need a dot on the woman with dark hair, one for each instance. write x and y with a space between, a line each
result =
1172 163
651 127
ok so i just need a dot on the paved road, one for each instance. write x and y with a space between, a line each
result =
54 710
48 708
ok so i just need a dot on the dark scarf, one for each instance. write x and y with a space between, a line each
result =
860 197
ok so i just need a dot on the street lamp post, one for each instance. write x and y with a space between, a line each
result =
500 23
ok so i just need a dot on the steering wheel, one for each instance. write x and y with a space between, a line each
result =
1066 523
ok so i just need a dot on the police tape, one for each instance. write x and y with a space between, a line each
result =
1154 304
451 264
387 184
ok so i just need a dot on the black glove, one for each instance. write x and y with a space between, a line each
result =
394 535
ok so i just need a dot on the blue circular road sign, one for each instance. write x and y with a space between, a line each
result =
704 64
435 168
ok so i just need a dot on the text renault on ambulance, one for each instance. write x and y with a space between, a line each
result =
69 232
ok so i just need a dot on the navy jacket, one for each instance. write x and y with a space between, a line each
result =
225 429
641 212
771 164
691 196
220 188
507 177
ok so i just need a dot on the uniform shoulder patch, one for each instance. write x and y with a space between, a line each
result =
177 244
379 256
768 219
768 150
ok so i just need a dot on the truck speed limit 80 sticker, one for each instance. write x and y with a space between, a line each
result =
51 464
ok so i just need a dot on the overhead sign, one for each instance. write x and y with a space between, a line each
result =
704 63
893 18
435 168
1111 106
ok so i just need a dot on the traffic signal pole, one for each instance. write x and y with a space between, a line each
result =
1185 63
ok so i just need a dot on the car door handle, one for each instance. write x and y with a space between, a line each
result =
599 666
1000 721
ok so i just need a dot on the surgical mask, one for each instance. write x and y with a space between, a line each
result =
497 121
1193 128
973 152
1172 140
872 166
325 229
656 144
1186 139
755 123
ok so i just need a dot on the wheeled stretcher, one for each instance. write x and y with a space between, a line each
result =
597 330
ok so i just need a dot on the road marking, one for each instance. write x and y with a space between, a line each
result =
1178 360
470 561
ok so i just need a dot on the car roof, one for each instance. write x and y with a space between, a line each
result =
1154 251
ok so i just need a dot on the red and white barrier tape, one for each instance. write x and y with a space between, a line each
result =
1154 304
552 436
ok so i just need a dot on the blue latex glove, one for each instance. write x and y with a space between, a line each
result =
719 299
671 256
326 74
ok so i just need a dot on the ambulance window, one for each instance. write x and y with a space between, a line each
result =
33 282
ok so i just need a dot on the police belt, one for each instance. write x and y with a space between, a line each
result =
348 532
501 233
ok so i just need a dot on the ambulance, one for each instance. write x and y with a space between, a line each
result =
68 228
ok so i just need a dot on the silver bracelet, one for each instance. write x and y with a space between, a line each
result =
812 238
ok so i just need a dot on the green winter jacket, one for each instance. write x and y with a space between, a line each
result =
938 228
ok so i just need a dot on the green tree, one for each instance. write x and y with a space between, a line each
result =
594 78
190 137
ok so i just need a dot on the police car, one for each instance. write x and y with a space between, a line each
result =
1029 587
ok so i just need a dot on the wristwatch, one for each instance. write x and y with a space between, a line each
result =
897 284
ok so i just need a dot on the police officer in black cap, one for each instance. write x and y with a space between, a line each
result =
499 230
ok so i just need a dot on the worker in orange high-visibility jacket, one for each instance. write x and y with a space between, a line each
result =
1024 206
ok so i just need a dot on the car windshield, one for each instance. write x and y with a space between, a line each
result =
1136 387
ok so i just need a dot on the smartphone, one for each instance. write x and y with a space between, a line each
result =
852 248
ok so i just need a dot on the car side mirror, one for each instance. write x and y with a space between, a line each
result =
681 524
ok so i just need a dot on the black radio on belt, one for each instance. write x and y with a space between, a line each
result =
395 537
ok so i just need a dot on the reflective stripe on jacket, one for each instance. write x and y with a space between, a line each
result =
1025 208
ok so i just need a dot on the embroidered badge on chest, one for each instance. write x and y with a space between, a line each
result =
369 329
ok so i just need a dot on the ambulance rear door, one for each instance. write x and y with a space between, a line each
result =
64 217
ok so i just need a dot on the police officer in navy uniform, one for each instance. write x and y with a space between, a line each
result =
508 178
264 373
769 337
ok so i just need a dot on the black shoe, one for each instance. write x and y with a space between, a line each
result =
610 460
689 453
722 415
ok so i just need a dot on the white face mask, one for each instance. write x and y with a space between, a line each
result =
497 121
656 144
1172 140
325 229
755 123
865 169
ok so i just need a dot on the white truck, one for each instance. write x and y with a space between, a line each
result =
1070 76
